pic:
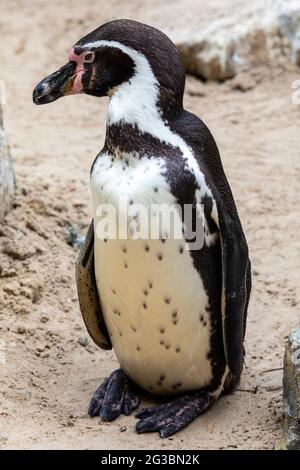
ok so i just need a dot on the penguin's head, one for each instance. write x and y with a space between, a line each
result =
122 58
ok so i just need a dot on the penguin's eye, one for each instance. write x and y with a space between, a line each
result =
89 57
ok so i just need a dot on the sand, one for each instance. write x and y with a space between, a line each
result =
46 376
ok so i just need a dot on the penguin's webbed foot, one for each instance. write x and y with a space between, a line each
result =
116 395
171 417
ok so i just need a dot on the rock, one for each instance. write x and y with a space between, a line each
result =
12 288
35 227
291 392
69 423
195 87
289 24
250 36
7 272
74 237
44 318
21 330
83 341
208 57
18 249
271 380
21 310
7 178
243 82
36 294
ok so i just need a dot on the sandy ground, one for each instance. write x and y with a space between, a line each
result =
48 376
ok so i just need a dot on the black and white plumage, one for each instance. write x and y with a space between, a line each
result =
174 316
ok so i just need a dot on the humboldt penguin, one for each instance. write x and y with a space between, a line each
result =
173 310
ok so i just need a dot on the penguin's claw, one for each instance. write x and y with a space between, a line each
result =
115 396
131 400
171 417
97 400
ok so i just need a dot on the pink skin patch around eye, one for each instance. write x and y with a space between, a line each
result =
77 86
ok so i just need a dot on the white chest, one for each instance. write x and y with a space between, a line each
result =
153 300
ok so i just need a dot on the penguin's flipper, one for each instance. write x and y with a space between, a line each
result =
88 293
236 287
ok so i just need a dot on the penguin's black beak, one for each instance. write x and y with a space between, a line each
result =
55 85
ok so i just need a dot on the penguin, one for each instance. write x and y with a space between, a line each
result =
174 312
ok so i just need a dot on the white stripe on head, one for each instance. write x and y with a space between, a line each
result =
135 102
